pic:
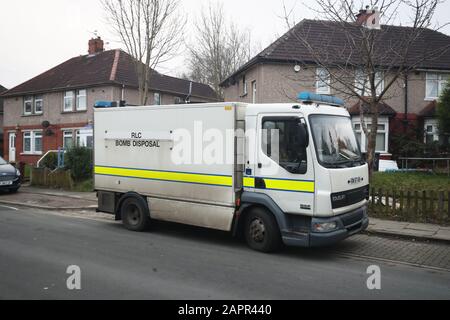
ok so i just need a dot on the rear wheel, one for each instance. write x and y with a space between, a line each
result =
135 214
261 231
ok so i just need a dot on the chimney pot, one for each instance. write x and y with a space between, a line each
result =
96 45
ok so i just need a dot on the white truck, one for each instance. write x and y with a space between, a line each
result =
273 173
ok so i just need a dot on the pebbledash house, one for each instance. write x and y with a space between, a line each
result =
286 67
55 109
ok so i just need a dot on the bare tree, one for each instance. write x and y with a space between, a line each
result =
364 63
218 49
151 31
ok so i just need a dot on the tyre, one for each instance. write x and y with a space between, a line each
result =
261 231
135 214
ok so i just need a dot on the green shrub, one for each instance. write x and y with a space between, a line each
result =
50 161
79 161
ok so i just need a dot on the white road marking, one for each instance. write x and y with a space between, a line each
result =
7 207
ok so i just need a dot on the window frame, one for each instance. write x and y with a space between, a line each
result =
434 123
379 75
38 98
381 121
28 99
254 91
439 82
32 136
77 99
65 133
72 99
319 80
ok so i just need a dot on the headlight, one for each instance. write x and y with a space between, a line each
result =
325 226
17 172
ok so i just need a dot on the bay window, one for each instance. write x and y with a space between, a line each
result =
67 139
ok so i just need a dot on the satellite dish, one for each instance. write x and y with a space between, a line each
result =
297 68
46 124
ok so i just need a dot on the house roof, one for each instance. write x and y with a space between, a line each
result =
384 109
429 110
332 38
113 67
2 89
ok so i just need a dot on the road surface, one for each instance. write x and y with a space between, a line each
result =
179 262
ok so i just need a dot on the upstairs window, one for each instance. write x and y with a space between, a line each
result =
28 105
254 91
244 86
38 104
362 83
322 81
68 101
157 99
435 84
81 100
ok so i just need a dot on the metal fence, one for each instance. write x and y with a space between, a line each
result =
407 161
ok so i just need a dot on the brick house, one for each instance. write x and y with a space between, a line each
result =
2 90
55 109
286 67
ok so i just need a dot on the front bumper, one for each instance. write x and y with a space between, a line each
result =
15 185
348 224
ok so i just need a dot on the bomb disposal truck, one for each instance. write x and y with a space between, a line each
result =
273 173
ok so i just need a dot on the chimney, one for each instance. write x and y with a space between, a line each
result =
369 18
96 46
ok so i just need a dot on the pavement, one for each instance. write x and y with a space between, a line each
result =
172 261
58 200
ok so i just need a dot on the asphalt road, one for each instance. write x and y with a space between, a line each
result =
178 262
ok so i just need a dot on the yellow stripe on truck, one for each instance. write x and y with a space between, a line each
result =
226 181
282 185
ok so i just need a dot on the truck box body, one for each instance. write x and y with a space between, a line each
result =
133 153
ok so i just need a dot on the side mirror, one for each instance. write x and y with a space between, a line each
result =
303 134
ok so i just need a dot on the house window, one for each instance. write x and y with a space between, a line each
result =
435 84
32 142
244 86
68 101
178 100
157 98
322 81
254 91
362 83
431 131
38 104
85 138
382 139
81 100
67 139
28 105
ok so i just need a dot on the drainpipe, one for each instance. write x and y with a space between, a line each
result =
405 120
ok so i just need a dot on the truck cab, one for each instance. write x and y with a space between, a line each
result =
307 169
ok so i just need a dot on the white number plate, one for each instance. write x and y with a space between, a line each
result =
6 183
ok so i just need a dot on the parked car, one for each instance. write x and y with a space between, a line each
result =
9 177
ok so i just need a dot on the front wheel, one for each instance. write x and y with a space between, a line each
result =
261 231
135 214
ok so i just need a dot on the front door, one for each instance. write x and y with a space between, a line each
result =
284 170
12 147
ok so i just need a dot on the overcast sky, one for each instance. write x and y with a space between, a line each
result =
38 35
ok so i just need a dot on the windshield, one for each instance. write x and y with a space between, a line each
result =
2 161
335 141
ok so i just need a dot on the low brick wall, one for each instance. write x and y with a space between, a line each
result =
58 178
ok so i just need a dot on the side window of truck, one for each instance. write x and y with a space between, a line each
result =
281 142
